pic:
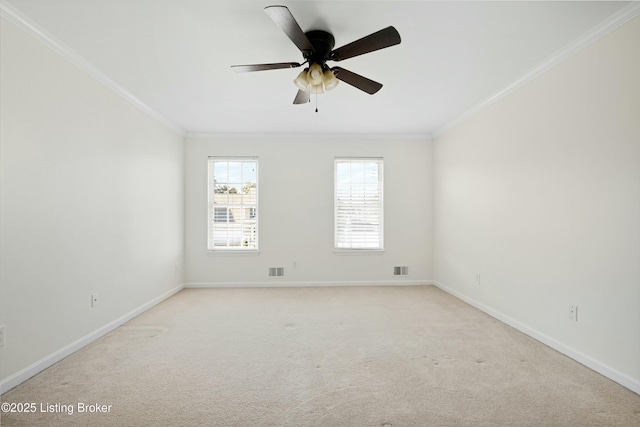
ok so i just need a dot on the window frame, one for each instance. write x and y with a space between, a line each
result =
212 206
338 247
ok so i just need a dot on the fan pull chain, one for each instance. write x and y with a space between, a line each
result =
316 101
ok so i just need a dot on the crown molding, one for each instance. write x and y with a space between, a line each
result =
21 21
610 24
310 136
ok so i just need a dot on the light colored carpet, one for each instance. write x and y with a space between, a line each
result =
365 356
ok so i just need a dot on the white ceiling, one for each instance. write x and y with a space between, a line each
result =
174 56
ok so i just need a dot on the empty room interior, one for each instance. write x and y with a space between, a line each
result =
336 213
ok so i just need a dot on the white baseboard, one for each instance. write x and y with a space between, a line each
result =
294 284
42 364
631 383
19 377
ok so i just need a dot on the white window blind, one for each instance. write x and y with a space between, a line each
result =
233 204
358 204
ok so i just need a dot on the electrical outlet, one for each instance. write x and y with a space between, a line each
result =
94 300
573 313
477 278
3 335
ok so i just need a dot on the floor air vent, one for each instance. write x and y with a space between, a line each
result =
400 271
276 271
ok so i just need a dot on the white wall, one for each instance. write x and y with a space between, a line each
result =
296 212
91 201
540 194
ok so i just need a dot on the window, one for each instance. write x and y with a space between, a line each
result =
233 203
358 204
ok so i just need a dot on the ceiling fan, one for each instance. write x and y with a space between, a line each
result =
317 48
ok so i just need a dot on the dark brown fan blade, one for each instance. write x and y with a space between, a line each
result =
302 97
285 20
262 67
356 80
378 40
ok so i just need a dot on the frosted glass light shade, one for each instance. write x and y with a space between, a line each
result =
301 80
314 76
330 81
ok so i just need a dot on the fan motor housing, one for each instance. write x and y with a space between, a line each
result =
323 42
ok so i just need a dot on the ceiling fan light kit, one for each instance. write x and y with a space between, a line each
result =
316 80
301 81
330 81
314 76
317 48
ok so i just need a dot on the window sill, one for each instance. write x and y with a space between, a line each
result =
231 253
351 252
